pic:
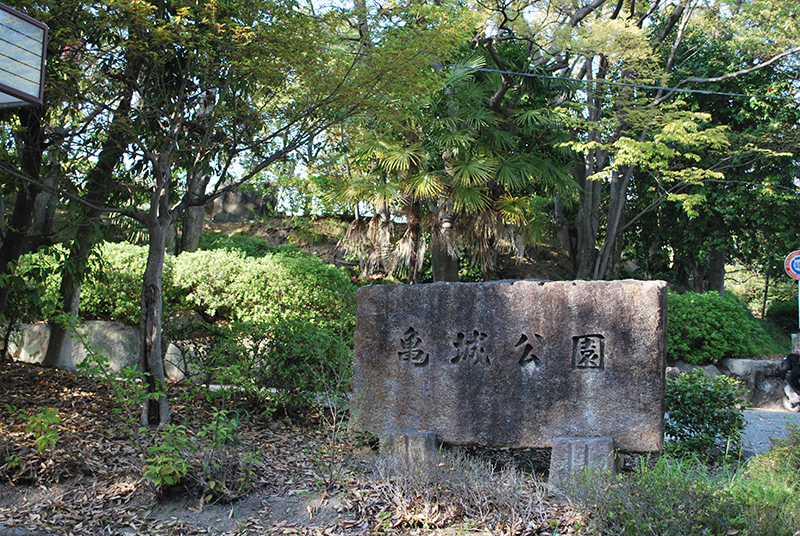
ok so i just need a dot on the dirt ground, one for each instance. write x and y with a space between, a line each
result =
310 478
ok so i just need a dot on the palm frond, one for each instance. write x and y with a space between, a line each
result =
481 118
468 199
513 209
398 158
463 71
473 172
514 172
426 185
502 141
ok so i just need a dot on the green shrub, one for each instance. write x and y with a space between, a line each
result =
111 290
783 314
250 246
704 414
116 294
704 328
267 290
676 497
34 286
290 360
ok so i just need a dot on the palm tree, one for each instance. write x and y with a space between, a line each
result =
469 164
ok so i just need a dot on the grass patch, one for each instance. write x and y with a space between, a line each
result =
684 495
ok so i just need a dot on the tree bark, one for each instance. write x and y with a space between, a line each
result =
99 184
44 208
414 216
16 236
193 220
563 234
59 347
716 271
587 224
444 265
151 360
610 258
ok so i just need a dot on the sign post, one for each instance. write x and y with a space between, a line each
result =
792 267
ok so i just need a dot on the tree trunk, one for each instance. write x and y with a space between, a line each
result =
193 220
15 239
698 276
444 263
563 234
151 360
766 293
44 208
414 231
587 224
59 348
99 183
445 267
716 271
609 260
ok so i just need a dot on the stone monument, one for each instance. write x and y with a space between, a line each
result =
514 363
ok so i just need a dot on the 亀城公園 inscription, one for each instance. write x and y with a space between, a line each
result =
588 352
530 352
513 363
410 348
469 348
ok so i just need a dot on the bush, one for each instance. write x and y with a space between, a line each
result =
111 290
288 361
250 246
704 414
33 288
116 292
676 497
783 314
704 328
267 290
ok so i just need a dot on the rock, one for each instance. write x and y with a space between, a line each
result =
20 531
683 367
764 388
29 343
513 363
711 370
240 205
114 340
572 456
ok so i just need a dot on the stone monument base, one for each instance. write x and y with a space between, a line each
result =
573 456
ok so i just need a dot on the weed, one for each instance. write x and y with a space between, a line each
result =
42 426
452 488
679 496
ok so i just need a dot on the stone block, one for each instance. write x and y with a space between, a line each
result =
573 456
514 363
411 446
114 340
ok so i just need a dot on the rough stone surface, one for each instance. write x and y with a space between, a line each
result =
761 378
114 340
571 456
118 342
240 205
763 384
513 363
410 445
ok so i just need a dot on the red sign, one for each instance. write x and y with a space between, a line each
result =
792 264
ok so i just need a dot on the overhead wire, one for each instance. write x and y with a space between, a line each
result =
625 84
